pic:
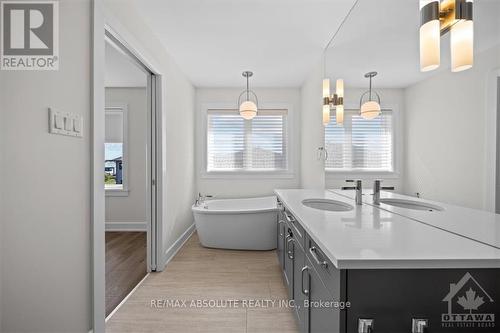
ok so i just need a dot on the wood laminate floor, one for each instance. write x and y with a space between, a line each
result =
125 265
199 274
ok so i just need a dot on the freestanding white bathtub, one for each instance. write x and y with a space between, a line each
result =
240 224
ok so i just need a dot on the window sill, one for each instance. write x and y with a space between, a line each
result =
116 192
361 174
247 175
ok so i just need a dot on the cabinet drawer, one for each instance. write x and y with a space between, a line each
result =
328 273
298 232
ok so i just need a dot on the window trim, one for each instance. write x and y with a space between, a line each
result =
288 173
396 151
124 191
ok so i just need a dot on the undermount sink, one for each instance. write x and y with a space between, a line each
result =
327 204
410 204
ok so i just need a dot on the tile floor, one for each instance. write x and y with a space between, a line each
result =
197 273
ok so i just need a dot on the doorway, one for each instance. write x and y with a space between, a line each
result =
129 171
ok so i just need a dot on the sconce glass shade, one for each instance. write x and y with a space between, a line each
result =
370 110
326 88
430 42
248 110
326 114
339 114
462 45
340 88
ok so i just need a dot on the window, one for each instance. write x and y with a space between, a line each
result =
236 144
115 149
360 145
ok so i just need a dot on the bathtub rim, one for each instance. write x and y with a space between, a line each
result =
202 210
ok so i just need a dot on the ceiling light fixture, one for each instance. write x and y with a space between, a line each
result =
437 17
247 107
333 101
371 108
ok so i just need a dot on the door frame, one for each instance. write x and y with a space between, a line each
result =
106 27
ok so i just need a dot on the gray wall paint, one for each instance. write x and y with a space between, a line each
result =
446 118
250 187
178 97
497 191
45 189
312 173
131 208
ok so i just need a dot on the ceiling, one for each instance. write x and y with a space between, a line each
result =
121 71
383 36
282 40
215 41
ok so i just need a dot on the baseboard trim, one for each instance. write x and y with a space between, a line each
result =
126 226
172 250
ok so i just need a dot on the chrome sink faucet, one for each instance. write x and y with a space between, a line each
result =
376 191
358 188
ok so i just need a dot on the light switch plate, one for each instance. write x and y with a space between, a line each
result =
64 123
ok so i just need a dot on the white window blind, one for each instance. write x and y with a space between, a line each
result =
360 145
234 143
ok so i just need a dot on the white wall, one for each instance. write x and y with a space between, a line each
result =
446 149
177 120
312 131
45 244
391 99
131 208
225 187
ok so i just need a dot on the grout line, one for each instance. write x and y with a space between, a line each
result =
126 298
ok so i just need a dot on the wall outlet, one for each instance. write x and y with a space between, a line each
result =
64 123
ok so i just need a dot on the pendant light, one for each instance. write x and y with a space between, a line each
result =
247 107
438 17
371 108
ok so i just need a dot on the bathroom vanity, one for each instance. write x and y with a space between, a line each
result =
360 268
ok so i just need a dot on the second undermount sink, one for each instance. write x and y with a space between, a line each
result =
327 204
411 204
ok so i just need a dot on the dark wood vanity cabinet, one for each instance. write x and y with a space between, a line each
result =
333 300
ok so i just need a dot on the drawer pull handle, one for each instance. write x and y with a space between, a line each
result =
280 223
289 218
290 253
314 254
304 291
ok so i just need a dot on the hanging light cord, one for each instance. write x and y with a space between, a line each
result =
336 33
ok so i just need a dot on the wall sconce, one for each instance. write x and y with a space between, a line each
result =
438 17
333 101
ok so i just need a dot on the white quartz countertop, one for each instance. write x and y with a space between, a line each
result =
475 224
368 237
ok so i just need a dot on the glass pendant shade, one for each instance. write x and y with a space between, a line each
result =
370 110
462 45
430 42
248 110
